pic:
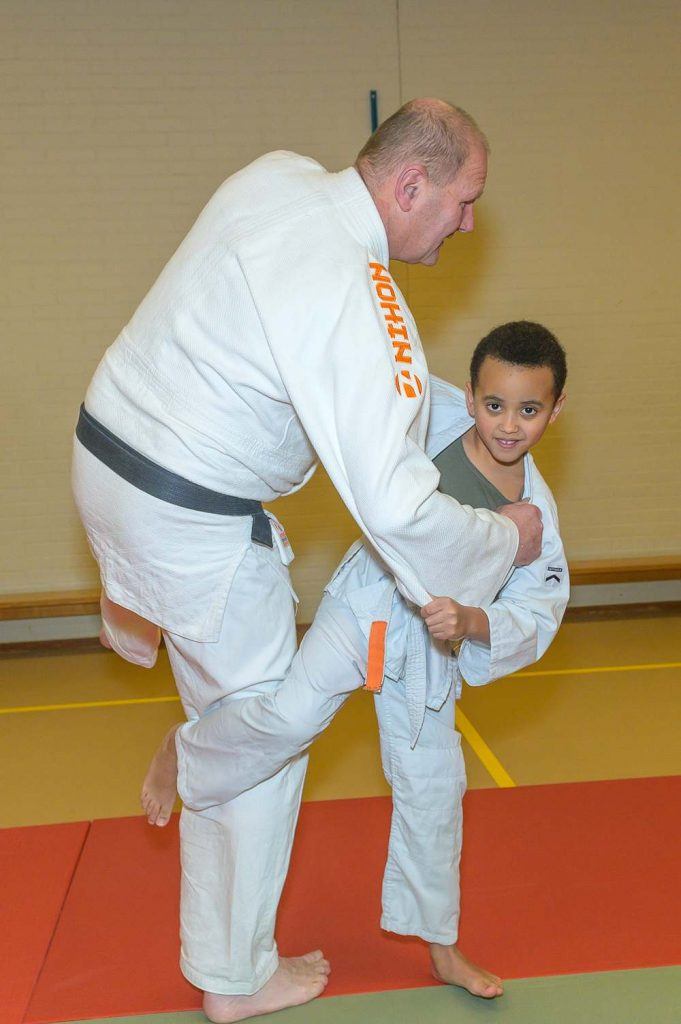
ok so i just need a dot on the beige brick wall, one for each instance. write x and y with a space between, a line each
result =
120 118
579 228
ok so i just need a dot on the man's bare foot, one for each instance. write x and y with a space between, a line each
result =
296 980
159 788
452 967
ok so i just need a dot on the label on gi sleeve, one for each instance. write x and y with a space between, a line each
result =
407 383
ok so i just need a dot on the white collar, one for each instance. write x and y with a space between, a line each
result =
353 200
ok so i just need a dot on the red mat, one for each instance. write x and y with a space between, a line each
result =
556 879
36 868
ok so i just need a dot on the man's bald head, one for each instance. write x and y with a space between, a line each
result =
429 132
424 168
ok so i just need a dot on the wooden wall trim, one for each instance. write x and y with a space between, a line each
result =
626 570
55 604
49 604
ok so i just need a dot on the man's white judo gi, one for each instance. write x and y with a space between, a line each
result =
237 744
273 337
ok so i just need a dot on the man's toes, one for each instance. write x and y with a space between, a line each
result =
312 957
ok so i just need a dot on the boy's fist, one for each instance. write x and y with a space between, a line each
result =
446 619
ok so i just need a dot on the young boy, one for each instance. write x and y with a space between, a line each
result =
480 441
515 391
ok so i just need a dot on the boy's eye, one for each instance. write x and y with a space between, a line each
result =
493 406
529 410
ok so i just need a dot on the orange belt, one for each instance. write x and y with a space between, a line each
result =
376 657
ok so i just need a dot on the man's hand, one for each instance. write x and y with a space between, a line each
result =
528 520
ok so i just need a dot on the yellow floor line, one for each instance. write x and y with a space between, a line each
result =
598 668
25 709
90 704
490 761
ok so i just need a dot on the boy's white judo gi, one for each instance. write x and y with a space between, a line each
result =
273 337
239 743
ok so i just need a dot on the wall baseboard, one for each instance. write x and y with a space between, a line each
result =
58 604
91 644
69 620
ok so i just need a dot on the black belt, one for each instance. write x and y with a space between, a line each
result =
148 476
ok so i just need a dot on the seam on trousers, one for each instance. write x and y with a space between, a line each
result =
388 925
217 985
391 870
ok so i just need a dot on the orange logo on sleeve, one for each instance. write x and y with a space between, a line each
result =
407 383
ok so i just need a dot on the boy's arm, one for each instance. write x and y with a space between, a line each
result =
524 618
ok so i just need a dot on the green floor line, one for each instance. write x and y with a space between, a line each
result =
621 997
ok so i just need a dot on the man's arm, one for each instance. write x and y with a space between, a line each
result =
339 369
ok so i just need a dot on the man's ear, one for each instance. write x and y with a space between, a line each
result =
469 399
560 402
408 185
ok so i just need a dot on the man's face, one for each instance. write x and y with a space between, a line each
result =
442 210
512 407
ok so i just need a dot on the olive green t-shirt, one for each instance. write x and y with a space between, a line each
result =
460 479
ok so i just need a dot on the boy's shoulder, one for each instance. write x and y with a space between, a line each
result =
539 492
448 418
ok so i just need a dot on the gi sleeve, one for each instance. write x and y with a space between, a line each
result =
356 376
525 617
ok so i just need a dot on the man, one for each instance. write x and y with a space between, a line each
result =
275 336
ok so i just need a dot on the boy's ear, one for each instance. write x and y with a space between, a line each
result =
470 406
560 402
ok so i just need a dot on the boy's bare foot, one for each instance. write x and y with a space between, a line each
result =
452 967
296 980
159 788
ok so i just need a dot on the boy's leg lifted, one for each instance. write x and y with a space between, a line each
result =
247 738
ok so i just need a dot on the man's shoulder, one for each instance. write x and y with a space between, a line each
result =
272 181
280 161
284 201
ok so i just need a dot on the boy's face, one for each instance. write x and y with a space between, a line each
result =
512 407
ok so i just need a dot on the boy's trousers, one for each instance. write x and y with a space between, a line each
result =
421 879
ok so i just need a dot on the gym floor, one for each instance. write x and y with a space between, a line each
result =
572 768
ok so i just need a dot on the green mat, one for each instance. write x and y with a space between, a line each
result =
615 997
